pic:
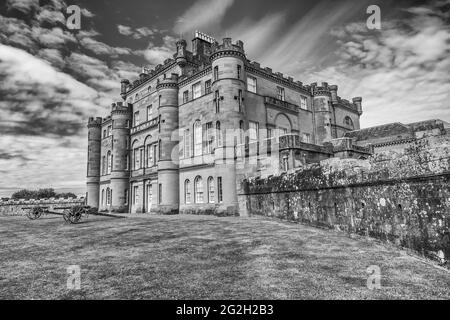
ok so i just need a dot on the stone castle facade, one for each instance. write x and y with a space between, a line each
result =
188 132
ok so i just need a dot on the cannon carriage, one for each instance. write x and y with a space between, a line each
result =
72 215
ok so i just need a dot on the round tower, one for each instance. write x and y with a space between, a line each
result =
93 163
322 112
168 175
229 89
120 115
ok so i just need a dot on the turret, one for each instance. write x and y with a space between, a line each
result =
124 87
121 117
322 109
229 89
180 56
93 162
168 175
333 92
357 101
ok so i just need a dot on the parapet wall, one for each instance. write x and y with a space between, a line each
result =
402 198
15 207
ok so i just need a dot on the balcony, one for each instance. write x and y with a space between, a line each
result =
144 126
281 104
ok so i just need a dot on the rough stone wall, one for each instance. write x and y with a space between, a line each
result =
13 208
402 197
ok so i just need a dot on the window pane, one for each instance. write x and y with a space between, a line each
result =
197 90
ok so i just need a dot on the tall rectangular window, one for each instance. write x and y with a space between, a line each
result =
141 157
197 90
253 130
239 71
186 96
240 100
208 87
304 103
216 73
155 149
109 131
209 137
160 193
187 143
135 194
136 118
126 196
149 112
150 159
219 190
251 84
280 93
217 101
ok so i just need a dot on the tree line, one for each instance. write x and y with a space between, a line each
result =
40 194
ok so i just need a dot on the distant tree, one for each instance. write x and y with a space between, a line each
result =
46 193
66 195
23 194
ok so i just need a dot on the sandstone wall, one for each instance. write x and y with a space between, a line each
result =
402 197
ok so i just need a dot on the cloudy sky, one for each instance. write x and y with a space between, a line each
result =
52 78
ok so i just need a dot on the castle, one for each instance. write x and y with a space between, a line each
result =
187 132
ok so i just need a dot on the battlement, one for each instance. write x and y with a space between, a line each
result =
94 122
227 47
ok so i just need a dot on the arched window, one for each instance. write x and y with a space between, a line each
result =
211 190
149 88
348 122
187 192
108 197
198 136
219 134
198 190
109 160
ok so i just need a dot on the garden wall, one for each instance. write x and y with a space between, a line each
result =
14 207
401 197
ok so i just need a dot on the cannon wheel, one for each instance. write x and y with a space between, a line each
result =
35 213
75 215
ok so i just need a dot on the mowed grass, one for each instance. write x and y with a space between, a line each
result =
196 257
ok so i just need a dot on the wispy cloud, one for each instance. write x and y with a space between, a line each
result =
203 14
135 33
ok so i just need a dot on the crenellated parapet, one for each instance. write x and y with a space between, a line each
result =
95 122
227 48
120 108
168 82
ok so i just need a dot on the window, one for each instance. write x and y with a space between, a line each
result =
197 90
104 133
241 132
127 162
149 112
285 163
149 196
187 192
187 143
103 165
155 149
209 137
109 131
348 122
239 68
253 130
251 84
211 190
217 98
198 190
138 155
135 195
280 93
108 197
159 101
186 96
198 134
150 158
304 103
160 193
126 196
208 87
127 123
103 197
306 138
216 73
109 159
219 134
136 118
269 133
219 190
240 100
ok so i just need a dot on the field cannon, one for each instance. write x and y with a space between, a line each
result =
71 215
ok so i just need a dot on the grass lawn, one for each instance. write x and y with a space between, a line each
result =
191 257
